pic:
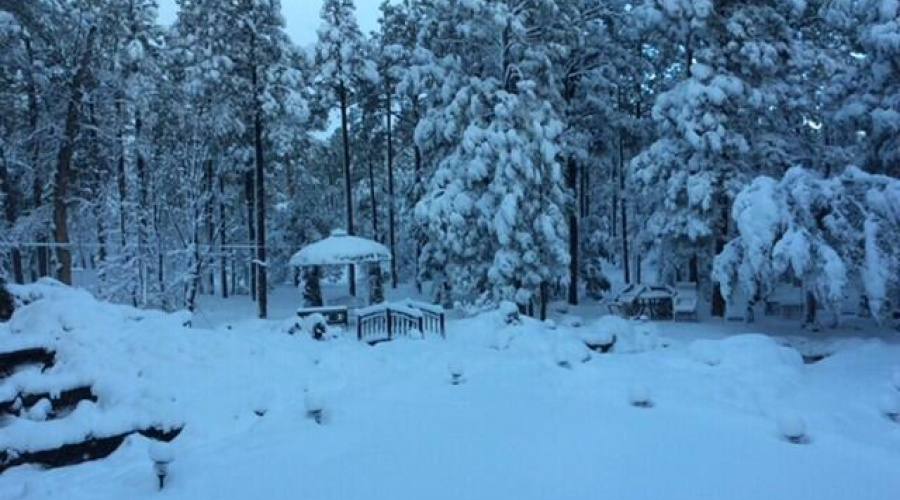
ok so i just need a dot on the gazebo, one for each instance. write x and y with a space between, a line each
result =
339 249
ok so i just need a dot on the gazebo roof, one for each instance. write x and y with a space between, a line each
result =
341 249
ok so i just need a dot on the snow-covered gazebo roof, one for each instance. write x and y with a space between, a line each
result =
341 249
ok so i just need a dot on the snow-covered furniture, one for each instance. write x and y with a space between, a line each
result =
342 250
652 301
787 302
334 315
686 301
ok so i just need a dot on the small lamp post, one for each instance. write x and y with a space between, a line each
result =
639 397
162 455
457 373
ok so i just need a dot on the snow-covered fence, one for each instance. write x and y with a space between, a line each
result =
389 321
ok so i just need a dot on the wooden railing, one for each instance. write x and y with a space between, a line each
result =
386 322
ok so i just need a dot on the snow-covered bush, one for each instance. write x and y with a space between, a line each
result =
568 353
747 352
510 312
314 403
639 396
316 326
820 231
708 352
792 428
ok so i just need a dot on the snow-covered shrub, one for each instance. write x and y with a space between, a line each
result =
316 326
510 312
289 326
792 428
550 324
568 353
819 231
599 340
639 396
570 321
890 406
314 403
895 379
708 352
747 352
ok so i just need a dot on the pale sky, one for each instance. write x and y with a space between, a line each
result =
302 17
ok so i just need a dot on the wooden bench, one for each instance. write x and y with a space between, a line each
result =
334 315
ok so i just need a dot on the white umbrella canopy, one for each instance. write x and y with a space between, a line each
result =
341 249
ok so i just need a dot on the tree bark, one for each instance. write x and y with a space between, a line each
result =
375 231
223 263
348 188
249 182
392 221
11 210
64 163
262 285
573 234
43 255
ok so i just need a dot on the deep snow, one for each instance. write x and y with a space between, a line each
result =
528 420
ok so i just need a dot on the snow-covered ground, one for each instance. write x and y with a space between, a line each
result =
535 415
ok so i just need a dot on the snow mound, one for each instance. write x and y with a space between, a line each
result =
745 352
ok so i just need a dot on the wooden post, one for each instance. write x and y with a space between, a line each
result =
390 326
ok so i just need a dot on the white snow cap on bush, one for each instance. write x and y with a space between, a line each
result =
161 452
568 353
639 394
708 352
792 426
313 400
455 367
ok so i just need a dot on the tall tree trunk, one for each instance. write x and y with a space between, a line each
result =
626 257
392 221
210 222
223 262
64 163
43 255
718 299
573 234
11 194
348 188
262 265
249 182
142 214
419 243
375 232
